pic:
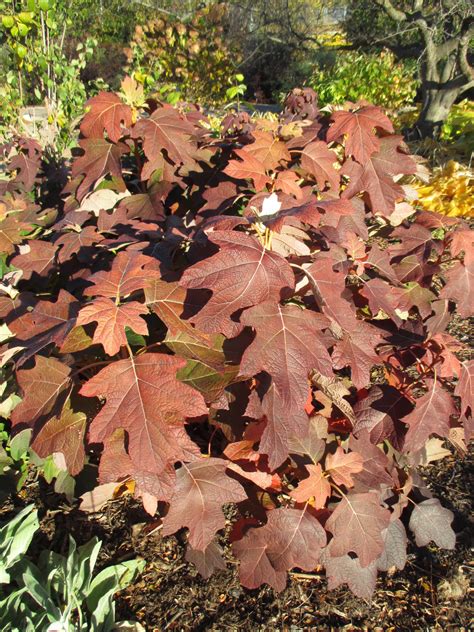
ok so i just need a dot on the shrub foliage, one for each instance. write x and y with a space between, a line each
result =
376 77
257 318
190 58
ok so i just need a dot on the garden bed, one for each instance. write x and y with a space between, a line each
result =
430 593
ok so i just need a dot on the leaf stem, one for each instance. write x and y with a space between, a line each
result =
93 365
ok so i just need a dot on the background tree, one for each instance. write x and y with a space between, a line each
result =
184 57
445 29
279 40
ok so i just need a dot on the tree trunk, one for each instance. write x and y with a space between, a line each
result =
437 102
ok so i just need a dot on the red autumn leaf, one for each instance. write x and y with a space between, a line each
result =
168 299
73 241
356 349
130 271
165 130
36 260
11 229
412 268
313 444
395 552
348 570
465 387
291 538
48 322
375 176
382 296
430 522
416 241
241 274
315 486
413 295
294 216
379 414
242 451
219 198
270 151
144 397
327 285
265 480
375 463
112 319
64 433
318 160
444 346
107 112
359 127
207 369
380 260
147 206
309 212
341 466
440 318
355 248
40 388
287 181
255 564
248 168
288 345
207 561
300 540
463 241
357 524
27 165
202 487
282 425
431 415
101 158
116 466
460 288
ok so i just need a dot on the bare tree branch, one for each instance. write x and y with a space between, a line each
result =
467 86
395 14
463 50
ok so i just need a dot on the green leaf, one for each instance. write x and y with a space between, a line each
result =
23 30
20 443
8 405
134 339
15 538
86 560
10 608
26 17
232 92
7 21
112 579
65 484
21 51
33 581
50 469
5 460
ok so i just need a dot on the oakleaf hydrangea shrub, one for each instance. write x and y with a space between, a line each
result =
255 318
